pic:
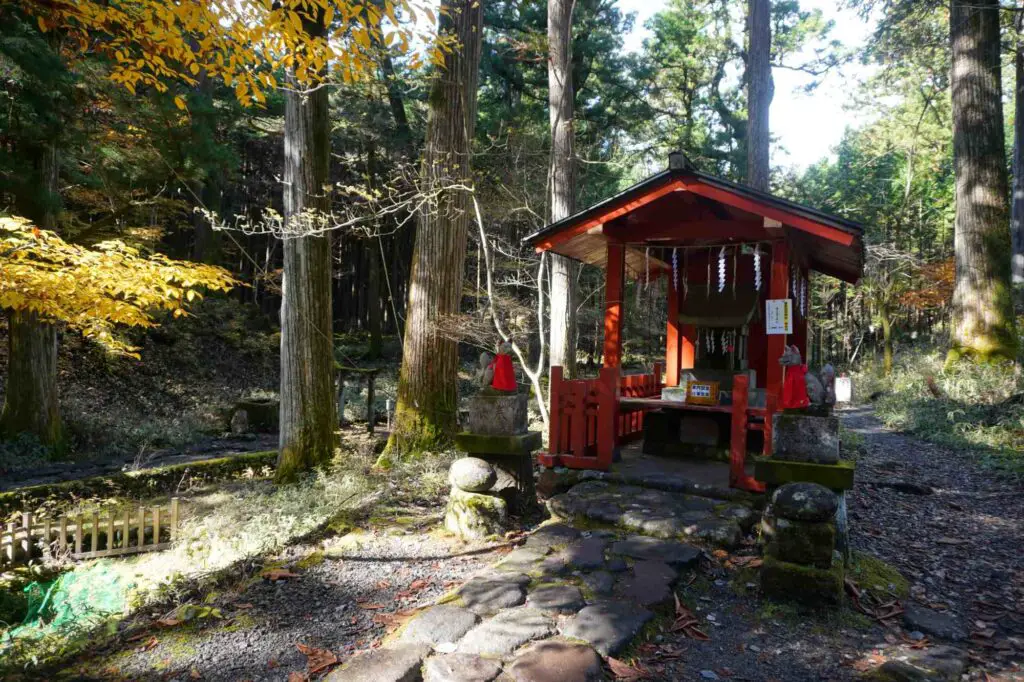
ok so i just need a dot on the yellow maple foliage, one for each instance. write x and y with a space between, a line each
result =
240 42
95 290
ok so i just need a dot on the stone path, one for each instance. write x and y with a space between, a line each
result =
546 611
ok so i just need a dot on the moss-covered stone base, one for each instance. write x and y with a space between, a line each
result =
799 542
473 516
816 587
776 472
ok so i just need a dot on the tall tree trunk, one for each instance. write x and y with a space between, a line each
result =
983 325
760 90
308 411
374 303
425 414
31 401
562 178
1017 207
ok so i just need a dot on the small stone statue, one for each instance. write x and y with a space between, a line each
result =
485 372
802 388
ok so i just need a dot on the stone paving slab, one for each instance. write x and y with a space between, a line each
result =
641 547
653 512
460 668
552 661
507 631
438 625
649 584
399 663
608 626
556 599
491 592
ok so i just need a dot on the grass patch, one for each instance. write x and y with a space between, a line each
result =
973 415
223 529
872 573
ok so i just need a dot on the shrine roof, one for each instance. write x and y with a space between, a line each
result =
682 206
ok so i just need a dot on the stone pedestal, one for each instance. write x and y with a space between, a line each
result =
512 459
475 516
497 414
799 532
805 438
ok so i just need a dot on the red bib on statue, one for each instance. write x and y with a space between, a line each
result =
504 374
794 390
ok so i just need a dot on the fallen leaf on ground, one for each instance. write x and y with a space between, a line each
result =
317 659
168 622
278 574
418 584
195 674
296 677
624 671
150 644
370 607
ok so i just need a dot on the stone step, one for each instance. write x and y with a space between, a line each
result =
654 477
655 512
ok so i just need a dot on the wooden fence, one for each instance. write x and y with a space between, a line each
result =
90 536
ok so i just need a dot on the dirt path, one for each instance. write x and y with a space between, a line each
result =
961 546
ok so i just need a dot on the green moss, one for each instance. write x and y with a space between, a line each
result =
522 444
874 574
310 560
807 585
778 472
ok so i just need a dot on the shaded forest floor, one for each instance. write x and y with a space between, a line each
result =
952 530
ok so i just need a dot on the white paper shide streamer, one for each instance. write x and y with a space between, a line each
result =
757 267
721 270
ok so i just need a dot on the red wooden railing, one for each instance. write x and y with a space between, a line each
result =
586 424
631 420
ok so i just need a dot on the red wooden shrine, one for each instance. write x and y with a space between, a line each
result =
715 324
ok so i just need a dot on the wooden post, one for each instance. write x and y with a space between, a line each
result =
26 544
672 337
126 531
738 477
156 525
141 542
687 346
776 343
63 540
78 534
615 277
10 542
111 530
607 418
95 532
174 518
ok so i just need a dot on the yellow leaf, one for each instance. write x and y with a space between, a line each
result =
179 102
42 24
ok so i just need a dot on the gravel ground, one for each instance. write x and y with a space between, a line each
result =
344 603
961 547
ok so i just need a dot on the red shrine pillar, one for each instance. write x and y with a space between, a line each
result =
688 346
672 336
615 279
775 343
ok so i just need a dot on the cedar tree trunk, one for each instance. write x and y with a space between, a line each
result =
1017 208
982 320
308 410
31 403
760 90
562 177
425 413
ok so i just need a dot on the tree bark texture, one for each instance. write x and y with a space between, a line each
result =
562 179
31 401
983 325
760 90
1017 207
426 410
308 411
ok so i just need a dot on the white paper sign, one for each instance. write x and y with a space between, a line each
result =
779 316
